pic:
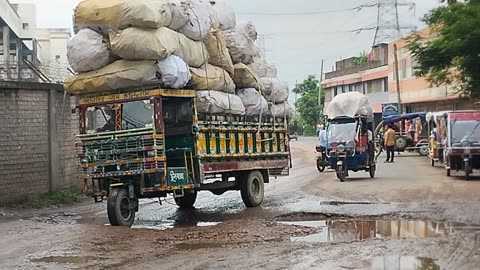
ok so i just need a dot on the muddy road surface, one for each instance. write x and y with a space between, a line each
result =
410 217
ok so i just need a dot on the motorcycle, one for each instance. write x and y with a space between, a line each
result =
321 158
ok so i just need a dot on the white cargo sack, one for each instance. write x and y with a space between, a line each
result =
88 51
218 51
199 19
174 72
118 75
211 77
282 110
244 77
249 28
214 102
255 104
225 15
275 90
260 67
241 47
103 15
350 105
154 44
271 71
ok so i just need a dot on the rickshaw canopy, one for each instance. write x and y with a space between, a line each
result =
407 116
352 104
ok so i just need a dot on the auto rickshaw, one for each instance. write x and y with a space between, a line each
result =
349 147
437 128
406 140
463 142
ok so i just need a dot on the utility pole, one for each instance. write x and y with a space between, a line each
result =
397 75
320 92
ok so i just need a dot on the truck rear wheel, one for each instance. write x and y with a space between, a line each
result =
119 208
187 201
252 189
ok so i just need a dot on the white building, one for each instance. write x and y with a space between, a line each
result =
52 52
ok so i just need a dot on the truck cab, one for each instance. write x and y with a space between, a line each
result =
154 144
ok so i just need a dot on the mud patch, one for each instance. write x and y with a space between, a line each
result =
65 259
347 230
403 262
195 246
340 203
170 225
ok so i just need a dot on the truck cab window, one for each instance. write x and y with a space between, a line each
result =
138 114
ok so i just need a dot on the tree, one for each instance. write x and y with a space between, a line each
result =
362 58
451 55
307 105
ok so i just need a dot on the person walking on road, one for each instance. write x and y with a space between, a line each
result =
390 144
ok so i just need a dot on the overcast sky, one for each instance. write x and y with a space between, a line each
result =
295 43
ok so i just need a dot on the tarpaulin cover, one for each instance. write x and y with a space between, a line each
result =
350 105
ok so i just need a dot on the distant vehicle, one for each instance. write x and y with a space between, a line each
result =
293 136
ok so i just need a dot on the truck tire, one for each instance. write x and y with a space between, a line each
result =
119 210
252 189
187 201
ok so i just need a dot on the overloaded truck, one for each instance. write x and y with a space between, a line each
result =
153 143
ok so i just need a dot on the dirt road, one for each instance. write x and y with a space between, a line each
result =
411 217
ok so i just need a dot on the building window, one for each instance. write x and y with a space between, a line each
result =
25 26
404 68
57 57
385 85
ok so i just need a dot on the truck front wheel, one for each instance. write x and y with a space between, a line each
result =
120 208
252 189
187 201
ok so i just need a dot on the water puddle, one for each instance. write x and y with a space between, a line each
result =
403 263
154 225
345 230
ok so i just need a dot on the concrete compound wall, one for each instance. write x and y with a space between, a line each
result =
37 133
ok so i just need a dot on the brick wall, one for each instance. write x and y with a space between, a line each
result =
27 137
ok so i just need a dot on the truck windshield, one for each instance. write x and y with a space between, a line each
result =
465 131
138 114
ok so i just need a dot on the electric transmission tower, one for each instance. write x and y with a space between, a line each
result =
389 27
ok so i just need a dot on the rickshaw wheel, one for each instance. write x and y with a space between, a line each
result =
341 173
372 171
423 150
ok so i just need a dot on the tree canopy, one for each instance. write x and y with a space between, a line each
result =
452 54
307 105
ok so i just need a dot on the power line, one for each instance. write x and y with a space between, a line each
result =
357 8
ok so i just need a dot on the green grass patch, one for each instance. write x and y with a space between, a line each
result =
63 196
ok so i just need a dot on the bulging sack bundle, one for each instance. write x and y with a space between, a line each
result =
214 102
244 77
218 51
255 104
211 77
199 20
249 28
153 44
271 71
282 110
260 67
120 74
275 89
88 51
225 14
103 15
241 47
174 72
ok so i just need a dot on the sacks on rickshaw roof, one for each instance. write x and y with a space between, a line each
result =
226 17
218 51
120 74
350 105
240 46
209 77
255 104
276 90
88 50
245 77
215 102
153 44
103 15
281 110
171 72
